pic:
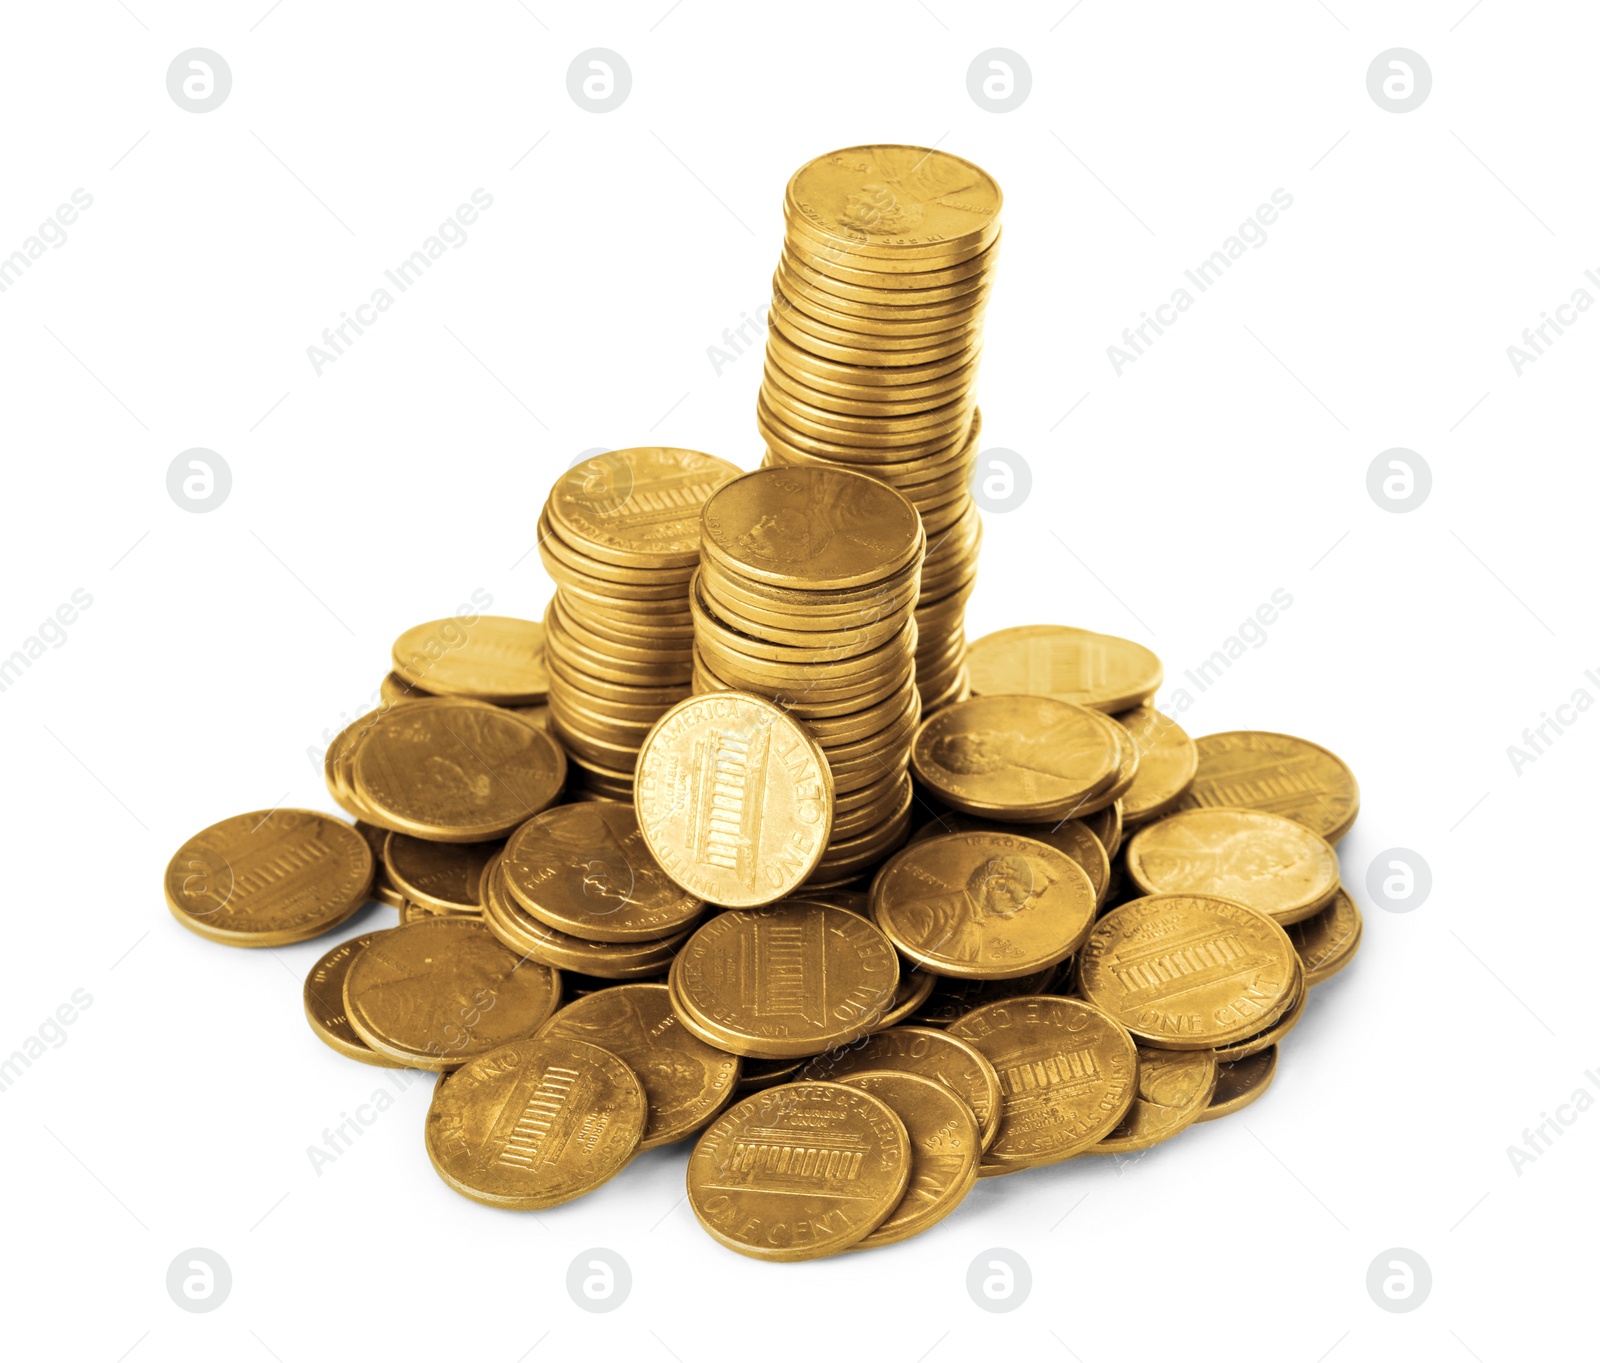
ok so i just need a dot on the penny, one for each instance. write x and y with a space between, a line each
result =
269 878
734 798
823 528
1265 861
1017 757
686 1082
638 507
1187 971
1106 825
891 197
436 993
1252 769
1174 1089
535 1123
988 905
1241 1083
946 1146
528 937
1067 1075
1167 762
384 890
456 770
323 996
491 658
585 870
799 1171
784 982
1327 941
1078 665
441 877
1071 837
927 1051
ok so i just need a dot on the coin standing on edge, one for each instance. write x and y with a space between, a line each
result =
735 799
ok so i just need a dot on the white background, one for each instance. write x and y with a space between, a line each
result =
222 649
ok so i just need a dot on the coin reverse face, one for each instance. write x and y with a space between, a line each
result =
735 799
1067 1073
269 878
1253 769
1097 670
799 1171
535 1123
1189 972
784 982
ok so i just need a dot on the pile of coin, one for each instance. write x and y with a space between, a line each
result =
1015 987
872 354
620 534
726 929
804 596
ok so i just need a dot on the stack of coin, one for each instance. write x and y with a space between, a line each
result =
620 534
497 659
804 596
872 355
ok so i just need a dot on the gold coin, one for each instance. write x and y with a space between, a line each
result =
799 1171
889 199
686 1082
817 528
323 995
269 878
456 770
786 981
988 905
495 658
1252 769
585 870
1097 670
528 937
1023 758
1328 940
1067 1074
928 1051
436 993
1265 861
1174 1089
1071 837
1188 972
1241 1083
638 507
946 1146
1167 762
441 877
734 798
535 1123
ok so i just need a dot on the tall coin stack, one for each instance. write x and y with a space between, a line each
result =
804 596
872 354
620 534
